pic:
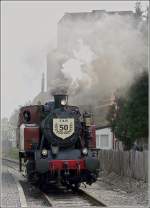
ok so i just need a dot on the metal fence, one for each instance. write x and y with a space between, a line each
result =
125 163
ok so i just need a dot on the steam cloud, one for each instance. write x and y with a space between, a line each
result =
108 56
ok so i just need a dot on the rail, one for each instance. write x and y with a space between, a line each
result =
58 197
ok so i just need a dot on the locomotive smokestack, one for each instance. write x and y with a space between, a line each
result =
60 100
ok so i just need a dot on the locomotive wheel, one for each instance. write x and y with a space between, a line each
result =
30 170
75 187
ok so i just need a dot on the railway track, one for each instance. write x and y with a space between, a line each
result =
64 198
11 164
54 197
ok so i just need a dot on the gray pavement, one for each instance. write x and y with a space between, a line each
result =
10 193
114 197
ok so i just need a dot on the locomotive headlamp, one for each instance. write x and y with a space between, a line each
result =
60 100
55 149
85 151
63 102
44 152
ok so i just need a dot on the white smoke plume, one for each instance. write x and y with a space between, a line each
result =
108 55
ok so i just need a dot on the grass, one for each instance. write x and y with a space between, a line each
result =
13 153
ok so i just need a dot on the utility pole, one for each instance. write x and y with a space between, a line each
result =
42 83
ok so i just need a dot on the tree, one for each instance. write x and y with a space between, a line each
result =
5 128
137 106
14 118
138 10
6 134
147 13
128 116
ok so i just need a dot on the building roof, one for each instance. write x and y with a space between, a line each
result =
93 13
102 127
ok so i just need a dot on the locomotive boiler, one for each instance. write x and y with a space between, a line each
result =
54 143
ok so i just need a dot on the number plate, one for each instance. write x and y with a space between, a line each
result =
63 128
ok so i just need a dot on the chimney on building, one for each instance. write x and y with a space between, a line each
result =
42 83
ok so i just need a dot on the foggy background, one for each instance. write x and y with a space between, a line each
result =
29 33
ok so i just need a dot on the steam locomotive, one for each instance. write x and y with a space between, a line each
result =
54 142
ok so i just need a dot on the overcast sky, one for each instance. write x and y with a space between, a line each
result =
29 31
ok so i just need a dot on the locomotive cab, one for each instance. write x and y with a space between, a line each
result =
55 143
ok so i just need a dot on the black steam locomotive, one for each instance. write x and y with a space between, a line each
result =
54 142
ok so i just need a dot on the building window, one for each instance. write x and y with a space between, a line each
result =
98 141
104 140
